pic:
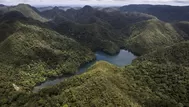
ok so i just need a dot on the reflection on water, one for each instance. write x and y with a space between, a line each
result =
123 58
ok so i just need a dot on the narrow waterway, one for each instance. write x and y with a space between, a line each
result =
123 58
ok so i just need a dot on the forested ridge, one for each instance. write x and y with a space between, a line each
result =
36 46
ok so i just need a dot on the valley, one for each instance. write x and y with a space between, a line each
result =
129 56
123 58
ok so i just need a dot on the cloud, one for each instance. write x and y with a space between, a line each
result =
94 2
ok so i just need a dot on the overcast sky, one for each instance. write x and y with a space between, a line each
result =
94 2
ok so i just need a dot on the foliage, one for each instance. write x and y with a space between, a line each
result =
182 28
26 10
32 54
96 29
91 34
163 12
150 35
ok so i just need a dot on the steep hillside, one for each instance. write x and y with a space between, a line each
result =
26 10
144 83
7 25
182 28
52 13
33 54
94 36
99 30
150 35
88 15
176 54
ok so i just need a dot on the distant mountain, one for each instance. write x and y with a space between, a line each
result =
26 10
91 34
110 9
86 14
54 12
1 5
45 8
136 8
90 26
163 12
133 30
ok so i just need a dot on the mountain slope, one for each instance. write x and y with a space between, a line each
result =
96 29
150 35
88 15
94 36
176 54
52 13
7 25
26 10
163 12
33 54
182 28
143 83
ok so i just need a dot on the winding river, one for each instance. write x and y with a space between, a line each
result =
123 58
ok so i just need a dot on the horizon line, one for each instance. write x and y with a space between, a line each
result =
80 5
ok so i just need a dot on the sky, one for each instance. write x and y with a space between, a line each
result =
94 2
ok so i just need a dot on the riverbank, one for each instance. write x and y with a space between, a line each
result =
123 58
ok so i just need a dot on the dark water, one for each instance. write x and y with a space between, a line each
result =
121 59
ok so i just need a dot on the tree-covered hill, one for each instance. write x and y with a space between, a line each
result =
150 35
145 83
93 28
32 51
182 27
138 32
7 25
94 36
26 10
31 54
163 12
176 54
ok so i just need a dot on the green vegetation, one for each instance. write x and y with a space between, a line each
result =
137 32
6 29
26 10
94 36
98 30
32 54
143 83
150 35
182 27
176 54
168 13
146 82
